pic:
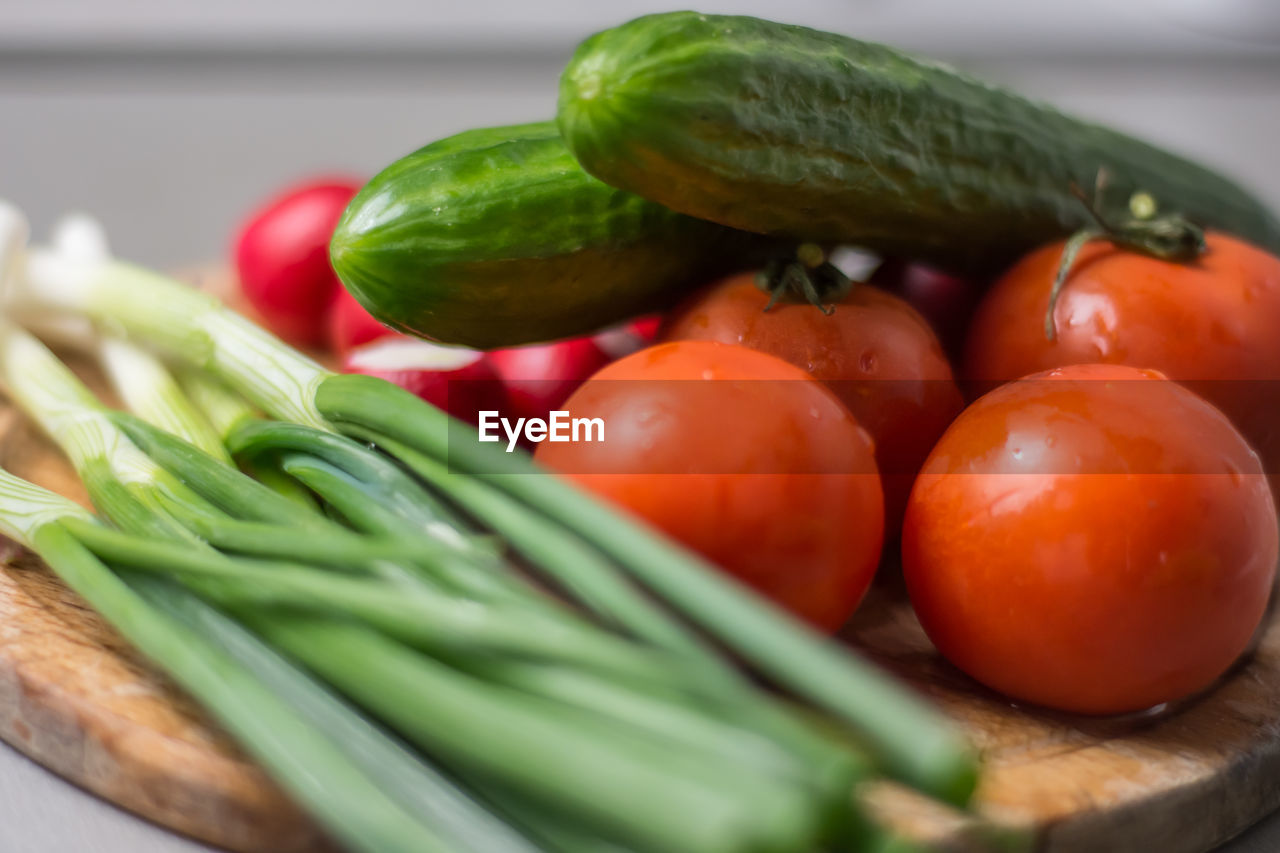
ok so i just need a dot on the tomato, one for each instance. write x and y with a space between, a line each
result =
946 302
282 257
460 381
349 325
1095 539
743 458
1215 322
540 377
875 352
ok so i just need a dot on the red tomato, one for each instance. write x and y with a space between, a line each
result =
875 352
282 256
946 301
1095 539
540 377
1215 321
350 325
743 458
460 381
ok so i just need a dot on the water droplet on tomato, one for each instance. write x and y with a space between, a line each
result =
867 361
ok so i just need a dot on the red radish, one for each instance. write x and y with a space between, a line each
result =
624 339
460 381
646 328
282 256
946 301
539 378
350 325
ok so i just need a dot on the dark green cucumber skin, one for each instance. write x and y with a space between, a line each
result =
785 130
496 237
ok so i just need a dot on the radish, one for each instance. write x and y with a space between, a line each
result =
539 378
624 339
460 381
945 301
282 257
350 325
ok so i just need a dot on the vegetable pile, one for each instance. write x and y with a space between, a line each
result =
760 149
355 617
437 644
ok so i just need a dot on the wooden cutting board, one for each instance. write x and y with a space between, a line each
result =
75 698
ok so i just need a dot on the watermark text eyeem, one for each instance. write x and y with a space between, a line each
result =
558 426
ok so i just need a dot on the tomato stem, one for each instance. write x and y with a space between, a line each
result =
805 273
1170 237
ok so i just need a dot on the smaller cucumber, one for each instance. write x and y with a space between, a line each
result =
497 237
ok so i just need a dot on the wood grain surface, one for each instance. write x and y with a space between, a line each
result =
1173 780
75 698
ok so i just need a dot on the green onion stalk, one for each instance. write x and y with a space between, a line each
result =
136 492
911 741
225 410
354 779
615 777
137 377
646 703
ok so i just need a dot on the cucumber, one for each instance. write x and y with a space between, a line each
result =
496 237
785 130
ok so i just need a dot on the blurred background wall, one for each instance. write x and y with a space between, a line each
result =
170 118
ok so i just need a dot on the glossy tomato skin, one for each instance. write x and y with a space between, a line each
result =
1094 539
779 485
875 352
1215 322
282 257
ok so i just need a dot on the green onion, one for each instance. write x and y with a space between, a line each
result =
221 485
223 408
914 743
136 376
565 558
396 493
671 716
719 809
417 786
910 741
415 616
306 762
149 390
659 797
185 324
322 542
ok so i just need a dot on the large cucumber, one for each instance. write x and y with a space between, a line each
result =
785 130
496 237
